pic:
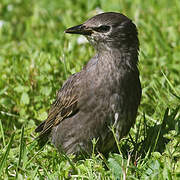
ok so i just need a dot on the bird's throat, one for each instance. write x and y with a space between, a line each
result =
116 58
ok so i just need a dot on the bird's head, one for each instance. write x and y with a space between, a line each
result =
108 30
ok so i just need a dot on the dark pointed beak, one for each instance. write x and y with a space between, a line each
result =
80 29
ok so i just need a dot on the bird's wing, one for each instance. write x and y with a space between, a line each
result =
64 106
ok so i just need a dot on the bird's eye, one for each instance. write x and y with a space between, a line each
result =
102 28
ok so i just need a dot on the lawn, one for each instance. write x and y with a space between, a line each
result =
36 57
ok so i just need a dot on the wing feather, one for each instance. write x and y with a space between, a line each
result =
64 106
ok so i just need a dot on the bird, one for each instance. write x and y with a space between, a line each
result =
105 94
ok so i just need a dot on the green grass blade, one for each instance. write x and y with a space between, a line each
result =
35 172
170 84
6 153
2 133
21 149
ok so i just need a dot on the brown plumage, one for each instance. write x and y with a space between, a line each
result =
64 106
105 93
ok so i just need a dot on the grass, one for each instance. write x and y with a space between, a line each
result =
36 58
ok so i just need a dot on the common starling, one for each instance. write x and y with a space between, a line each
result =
105 93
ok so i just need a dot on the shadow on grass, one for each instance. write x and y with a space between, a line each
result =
151 138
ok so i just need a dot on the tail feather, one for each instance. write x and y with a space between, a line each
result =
40 127
43 137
